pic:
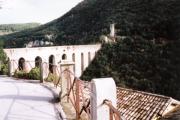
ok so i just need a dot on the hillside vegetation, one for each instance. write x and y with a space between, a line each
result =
11 28
91 18
139 64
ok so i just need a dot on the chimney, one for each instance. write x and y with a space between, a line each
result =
112 30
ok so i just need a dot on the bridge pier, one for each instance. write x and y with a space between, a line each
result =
10 67
41 73
67 77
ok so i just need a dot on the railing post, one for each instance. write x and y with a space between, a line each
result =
65 67
114 113
9 68
77 100
111 114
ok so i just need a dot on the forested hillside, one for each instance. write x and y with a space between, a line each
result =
91 18
11 28
138 64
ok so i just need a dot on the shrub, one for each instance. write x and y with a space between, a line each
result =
3 61
53 78
35 73
21 74
4 69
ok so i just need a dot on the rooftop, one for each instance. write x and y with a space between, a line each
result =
173 115
136 105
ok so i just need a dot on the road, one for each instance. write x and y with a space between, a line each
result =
24 100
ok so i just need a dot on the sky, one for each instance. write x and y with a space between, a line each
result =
25 11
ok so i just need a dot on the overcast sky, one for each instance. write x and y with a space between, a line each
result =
24 11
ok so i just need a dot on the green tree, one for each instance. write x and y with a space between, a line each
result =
3 60
2 54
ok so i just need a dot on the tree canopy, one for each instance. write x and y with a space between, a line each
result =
86 22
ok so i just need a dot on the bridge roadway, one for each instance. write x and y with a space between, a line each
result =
26 100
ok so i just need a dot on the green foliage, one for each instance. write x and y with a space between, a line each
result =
91 18
35 74
21 74
4 69
3 61
3 57
139 64
52 78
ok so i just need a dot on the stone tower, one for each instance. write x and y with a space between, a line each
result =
112 30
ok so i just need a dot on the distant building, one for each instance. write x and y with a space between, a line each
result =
48 43
29 45
111 37
41 43
38 43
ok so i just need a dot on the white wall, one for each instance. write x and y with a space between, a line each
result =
102 89
29 54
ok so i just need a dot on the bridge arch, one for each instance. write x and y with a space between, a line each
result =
21 64
38 61
51 63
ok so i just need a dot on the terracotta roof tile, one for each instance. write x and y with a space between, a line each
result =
172 115
137 105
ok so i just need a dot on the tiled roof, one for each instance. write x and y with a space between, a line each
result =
173 115
137 105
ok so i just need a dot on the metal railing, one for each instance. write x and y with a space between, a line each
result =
114 113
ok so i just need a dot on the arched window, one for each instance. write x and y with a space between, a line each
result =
64 57
82 62
38 61
51 64
21 64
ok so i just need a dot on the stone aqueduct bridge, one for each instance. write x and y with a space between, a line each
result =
28 58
